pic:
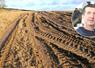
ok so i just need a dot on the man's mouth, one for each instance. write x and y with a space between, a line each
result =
91 20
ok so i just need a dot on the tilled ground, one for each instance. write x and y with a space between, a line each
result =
45 40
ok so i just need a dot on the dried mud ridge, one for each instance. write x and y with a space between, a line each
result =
45 40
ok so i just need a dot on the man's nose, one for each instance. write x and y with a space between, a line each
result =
92 16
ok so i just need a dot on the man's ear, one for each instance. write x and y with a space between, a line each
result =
82 15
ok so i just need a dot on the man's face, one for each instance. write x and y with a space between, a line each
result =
89 16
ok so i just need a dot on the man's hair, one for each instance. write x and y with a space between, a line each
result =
90 5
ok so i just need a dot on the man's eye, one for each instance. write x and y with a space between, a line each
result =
94 13
89 13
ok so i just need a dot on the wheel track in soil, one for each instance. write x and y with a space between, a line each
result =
67 41
43 45
9 39
41 32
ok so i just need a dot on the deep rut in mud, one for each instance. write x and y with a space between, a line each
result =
44 40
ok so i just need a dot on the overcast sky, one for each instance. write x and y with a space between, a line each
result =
44 4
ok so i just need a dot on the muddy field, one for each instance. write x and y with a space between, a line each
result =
40 39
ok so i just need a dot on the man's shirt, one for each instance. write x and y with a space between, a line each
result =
85 32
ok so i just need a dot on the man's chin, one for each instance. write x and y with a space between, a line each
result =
91 23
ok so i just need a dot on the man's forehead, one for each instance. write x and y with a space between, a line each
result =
90 9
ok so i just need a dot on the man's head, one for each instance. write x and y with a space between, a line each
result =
88 2
88 15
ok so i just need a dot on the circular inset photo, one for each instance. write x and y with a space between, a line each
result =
83 20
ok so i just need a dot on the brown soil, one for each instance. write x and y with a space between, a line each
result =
45 40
